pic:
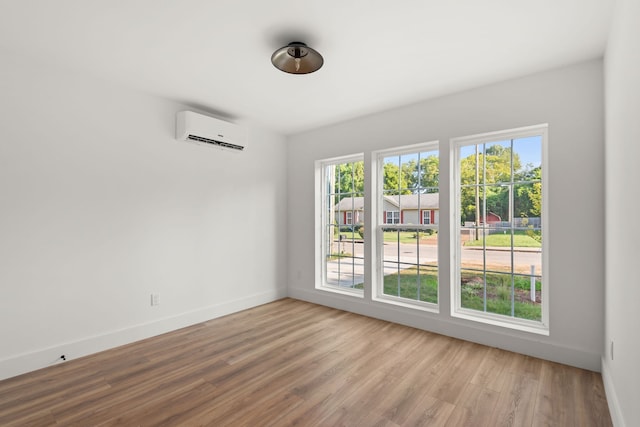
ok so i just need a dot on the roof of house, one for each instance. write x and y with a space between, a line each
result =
415 201
402 202
351 204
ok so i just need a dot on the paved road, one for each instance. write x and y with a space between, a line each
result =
346 271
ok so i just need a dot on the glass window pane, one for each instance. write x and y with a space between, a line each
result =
391 238
498 248
429 171
499 293
527 204
408 173
472 289
428 266
391 182
409 280
497 199
471 165
472 205
392 261
343 263
497 162
472 253
527 155
500 210
527 260
358 177
410 197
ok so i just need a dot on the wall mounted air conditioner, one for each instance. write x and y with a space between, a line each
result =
209 131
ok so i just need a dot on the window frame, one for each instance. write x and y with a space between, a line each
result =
320 215
377 280
538 327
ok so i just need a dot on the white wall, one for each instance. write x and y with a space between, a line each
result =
100 206
621 373
570 100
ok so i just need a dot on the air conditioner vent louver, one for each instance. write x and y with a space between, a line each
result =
209 131
216 143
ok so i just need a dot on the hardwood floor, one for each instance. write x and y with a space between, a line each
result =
295 363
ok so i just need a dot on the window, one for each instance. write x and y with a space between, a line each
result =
341 258
392 217
407 246
500 211
426 217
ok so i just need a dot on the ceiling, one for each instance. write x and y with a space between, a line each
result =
215 54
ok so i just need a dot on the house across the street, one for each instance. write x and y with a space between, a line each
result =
403 209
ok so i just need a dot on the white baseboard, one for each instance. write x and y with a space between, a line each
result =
45 357
612 397
492 336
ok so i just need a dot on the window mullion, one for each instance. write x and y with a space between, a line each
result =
512 230
483 220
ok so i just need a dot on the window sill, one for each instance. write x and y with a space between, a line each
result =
358 293
404 303
497 320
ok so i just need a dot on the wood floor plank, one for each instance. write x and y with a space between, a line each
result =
475 407
430 412
295 363
515 405
492 373
414 383
589 397
155 411
454 377
553 402
39 418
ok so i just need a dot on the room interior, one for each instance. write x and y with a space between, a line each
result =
102 207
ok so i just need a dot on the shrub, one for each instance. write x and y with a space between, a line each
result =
423 233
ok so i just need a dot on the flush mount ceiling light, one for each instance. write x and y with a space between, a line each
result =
297 58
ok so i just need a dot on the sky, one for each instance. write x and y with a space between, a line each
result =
529 149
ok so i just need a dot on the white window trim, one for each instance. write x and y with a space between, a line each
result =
348 217
320 217
525 325
377 281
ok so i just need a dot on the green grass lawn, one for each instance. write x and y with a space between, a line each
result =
349 235
404 236
504 240
495 240
405 284
499 295
389 236
522 310
335 256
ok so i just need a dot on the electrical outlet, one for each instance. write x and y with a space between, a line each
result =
155 299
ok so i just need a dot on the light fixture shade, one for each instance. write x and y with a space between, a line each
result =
297 58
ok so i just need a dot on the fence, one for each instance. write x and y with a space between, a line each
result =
469 231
